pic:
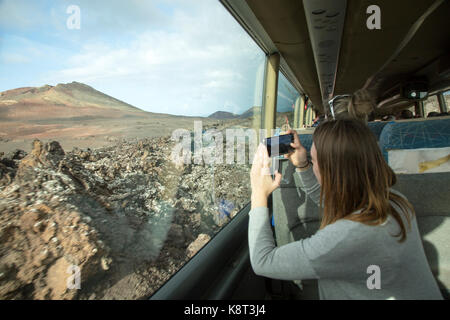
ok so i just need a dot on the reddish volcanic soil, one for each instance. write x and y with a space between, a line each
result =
30 110
21 130
77 115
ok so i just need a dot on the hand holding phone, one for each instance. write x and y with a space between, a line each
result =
298 155
279 145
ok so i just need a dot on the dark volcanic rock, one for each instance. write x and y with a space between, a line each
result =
125 215
46 155
16 155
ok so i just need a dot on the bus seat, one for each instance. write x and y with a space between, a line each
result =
430 195
428 191
415 135
294 212
377 127
295 215
306 140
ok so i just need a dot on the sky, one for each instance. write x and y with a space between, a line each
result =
185 57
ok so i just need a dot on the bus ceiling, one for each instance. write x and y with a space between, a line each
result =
335 47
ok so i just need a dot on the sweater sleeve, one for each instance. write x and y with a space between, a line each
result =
288 262
309 184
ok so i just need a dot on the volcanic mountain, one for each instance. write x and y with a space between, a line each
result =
223 115
250 112
228 115
63 101
77 115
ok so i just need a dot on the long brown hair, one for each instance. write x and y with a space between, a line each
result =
355 176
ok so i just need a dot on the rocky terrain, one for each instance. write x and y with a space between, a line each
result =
124 214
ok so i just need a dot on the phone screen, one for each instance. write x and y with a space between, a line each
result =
279 145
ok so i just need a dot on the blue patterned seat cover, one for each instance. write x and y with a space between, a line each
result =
306 140
415 135
377 127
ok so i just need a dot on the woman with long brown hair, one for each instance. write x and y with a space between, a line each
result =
368 245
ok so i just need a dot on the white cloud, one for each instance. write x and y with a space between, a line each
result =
191 57
20 14
13 58
98 16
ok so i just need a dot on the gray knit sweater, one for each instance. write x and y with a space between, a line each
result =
350 260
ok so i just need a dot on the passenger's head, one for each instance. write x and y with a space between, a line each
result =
433 114
353 173
406 114
388 117
357 106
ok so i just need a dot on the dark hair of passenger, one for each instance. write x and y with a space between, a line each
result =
433 114
406 114
388 117
355 176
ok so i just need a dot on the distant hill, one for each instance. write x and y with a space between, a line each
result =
223 115
228 115
250 112
62 101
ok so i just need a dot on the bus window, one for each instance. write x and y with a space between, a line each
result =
447 99
405 113
431 106
113 120
286 99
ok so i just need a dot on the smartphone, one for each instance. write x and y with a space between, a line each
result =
279 145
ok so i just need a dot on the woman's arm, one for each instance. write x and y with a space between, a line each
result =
288 262
298 157
309 184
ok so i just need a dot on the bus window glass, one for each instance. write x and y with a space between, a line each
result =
286 98
113 122
431 106
447 99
